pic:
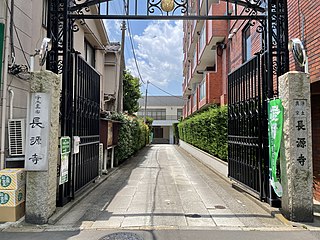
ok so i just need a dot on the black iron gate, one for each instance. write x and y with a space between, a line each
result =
82 121
249 87
245 132
86 123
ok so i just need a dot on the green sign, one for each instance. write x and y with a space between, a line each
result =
65 145
275 125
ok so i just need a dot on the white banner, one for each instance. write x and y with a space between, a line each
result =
38 127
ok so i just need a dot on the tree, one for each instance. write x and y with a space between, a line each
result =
131 93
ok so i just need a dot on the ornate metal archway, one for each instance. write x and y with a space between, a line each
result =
270 16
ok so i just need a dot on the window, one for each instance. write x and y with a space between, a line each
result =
89 53
45 13
203 37
246 43
156 114
194 98
203 88
194 59
179 113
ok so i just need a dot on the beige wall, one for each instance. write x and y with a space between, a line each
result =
28 22
170 110
112 74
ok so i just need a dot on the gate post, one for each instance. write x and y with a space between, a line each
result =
296 147
41 185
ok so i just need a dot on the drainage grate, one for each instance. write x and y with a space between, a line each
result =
122 236
193 215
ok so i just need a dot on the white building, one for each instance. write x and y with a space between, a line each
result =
164 110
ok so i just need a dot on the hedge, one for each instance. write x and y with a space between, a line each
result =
207 131
133 135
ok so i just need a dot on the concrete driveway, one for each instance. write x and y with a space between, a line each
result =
162 187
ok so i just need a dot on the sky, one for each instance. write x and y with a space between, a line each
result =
158 49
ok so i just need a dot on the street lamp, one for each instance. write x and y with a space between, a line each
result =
299 52
167 5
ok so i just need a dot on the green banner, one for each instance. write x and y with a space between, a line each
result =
275 125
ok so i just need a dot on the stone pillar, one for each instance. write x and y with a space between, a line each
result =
296 147
41 187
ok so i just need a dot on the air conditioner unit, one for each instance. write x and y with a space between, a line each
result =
16 131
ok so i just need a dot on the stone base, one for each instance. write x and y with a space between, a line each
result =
298 215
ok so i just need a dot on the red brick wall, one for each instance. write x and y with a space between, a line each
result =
311 11
315 114
235 43
214 83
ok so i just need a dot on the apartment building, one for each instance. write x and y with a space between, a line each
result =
205 59
165 111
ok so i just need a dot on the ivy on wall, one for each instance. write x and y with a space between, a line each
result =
207 131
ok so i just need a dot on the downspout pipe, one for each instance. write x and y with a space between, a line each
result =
5 87
11 103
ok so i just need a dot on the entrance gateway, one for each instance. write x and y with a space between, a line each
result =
249 86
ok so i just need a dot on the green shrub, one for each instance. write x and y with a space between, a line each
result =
133 135
207 131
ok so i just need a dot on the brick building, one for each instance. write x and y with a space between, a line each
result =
304 22
204 60
207 62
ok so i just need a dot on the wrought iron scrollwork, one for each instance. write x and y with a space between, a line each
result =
155 6
181 5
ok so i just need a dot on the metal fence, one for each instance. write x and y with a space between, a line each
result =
86 123
244 125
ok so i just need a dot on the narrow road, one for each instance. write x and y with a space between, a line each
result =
162 187
163 193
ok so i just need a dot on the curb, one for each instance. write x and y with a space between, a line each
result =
63 210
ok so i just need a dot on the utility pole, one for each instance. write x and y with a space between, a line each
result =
122 62
145 103
122 66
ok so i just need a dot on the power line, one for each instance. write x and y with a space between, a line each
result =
134 53
136 62
137 66
15 29
165 91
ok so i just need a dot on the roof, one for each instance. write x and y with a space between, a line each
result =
113 47
162 101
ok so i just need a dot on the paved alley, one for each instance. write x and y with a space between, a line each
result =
161 194
162 187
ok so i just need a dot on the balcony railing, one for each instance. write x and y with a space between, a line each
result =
164 117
